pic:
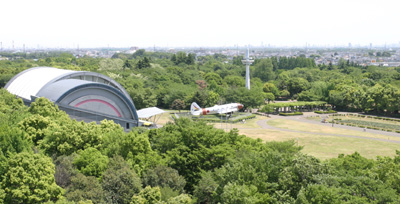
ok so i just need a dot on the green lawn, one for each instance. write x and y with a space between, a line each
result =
320 146
323 146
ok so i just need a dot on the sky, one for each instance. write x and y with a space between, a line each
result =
197 23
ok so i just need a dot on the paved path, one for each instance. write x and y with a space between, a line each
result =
263 124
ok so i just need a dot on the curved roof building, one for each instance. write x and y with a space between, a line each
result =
86 95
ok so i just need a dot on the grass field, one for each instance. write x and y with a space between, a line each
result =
321 146
369 122
326 147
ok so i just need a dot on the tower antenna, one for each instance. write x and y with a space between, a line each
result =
247 61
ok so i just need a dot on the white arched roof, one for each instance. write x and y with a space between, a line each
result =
29 82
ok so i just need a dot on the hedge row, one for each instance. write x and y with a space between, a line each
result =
363 126
325 112
298 103
369 116
291 114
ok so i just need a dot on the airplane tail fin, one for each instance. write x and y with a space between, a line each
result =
194 108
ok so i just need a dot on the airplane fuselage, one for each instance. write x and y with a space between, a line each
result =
219 109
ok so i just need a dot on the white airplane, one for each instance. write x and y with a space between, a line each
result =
217 109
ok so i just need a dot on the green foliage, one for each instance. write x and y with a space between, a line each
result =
191 147
181 58
249 98
270 88
147 195
264 70
133 147
212 98
297 85
91 162
143 63
372 124
35 126
180 199
250 172
214 166
320 194
291 114
111 64
298 103
163 176
29 178
206 190
300 173
119 182
234 193
84 188
43 107
269 97
234 81
69 136
65 170
325 112
178 104
213 77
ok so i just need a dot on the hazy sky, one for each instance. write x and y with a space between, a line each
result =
175 23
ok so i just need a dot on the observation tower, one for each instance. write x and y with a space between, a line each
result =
247 61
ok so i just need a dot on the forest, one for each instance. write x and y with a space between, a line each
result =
163 79
45 157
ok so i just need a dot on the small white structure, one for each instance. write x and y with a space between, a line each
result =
148 116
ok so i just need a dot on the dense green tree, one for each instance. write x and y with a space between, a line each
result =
139 53
127 64
211 76
192 148
234 81
148 195
29 178
297 85
163 176
212 98
111 64
35 126
65 170
143 63
264 70
133 147
200 98
319 194
249 98
91 162
143 97
269 97
119 182
178 104
84 188
271 88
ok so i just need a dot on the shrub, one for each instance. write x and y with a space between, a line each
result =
291 114
325 112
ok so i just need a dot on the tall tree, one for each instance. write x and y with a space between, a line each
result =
29 178
264 70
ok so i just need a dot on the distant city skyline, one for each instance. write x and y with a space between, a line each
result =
178 23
